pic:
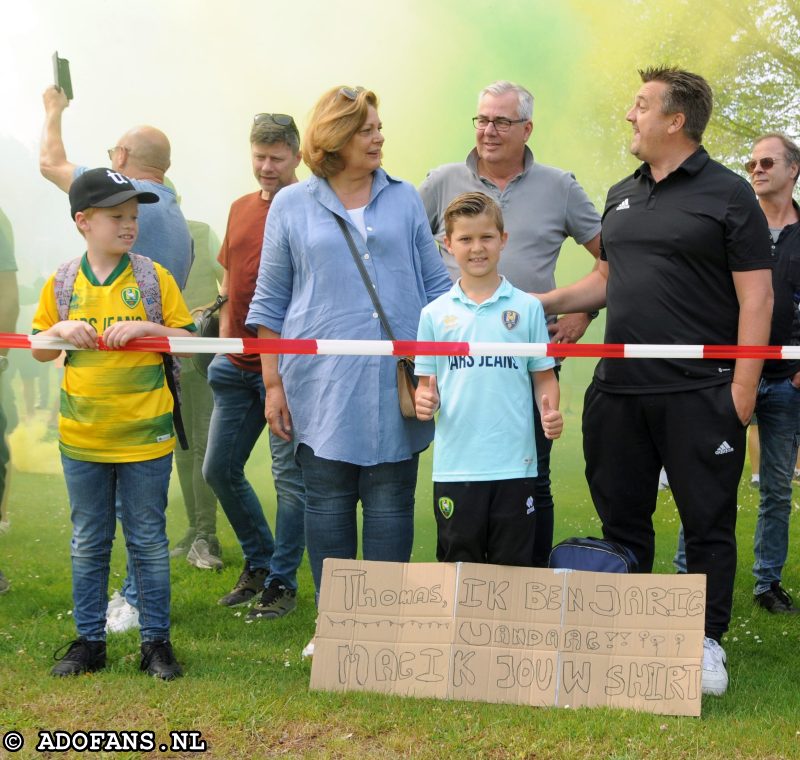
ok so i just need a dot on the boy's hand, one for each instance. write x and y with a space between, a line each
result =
118 334
552 421
426 399
54 100
80 334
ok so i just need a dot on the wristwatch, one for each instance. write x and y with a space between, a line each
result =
3 363
592 315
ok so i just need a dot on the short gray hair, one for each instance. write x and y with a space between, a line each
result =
791 151
524 97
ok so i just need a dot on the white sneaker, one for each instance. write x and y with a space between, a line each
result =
715 677
116 602
124 619
308 649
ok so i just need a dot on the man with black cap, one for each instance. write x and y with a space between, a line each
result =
115 427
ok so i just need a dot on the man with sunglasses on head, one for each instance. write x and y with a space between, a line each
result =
270 563
773 169
542 207
143 155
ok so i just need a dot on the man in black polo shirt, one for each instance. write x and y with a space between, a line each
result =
685 259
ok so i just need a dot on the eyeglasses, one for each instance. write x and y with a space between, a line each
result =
501 124
279 119
765 163
112 151
351 93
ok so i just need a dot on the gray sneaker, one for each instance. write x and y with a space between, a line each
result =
5 584
180 548
249 584
275 602
202 555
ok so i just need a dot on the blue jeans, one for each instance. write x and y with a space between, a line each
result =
236 424
141 488
778 410
333 490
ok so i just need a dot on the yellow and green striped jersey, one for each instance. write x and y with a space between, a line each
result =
116 406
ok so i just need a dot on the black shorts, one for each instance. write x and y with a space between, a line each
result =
486 521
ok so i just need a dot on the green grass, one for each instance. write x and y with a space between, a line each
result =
246 687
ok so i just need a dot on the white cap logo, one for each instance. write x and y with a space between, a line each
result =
120 179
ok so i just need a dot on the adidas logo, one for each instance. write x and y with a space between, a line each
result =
529 505
724 448
622 206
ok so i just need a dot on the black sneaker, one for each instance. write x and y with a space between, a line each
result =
158 660
82 656
776 600
249 584
276 601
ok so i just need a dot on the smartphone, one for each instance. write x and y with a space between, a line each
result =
61 75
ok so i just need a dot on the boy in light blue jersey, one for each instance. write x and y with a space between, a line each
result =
484 458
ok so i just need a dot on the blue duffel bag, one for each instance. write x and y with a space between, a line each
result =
593 554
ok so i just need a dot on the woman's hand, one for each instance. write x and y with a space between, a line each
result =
276 412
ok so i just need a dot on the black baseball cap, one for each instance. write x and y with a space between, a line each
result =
104 188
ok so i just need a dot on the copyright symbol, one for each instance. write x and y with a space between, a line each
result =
13 741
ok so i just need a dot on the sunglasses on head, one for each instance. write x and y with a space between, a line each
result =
279 119
765 163
351 93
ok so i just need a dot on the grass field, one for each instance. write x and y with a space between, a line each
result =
246 687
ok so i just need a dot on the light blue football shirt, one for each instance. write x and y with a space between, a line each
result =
485 425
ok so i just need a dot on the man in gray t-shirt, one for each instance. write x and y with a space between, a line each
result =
542 206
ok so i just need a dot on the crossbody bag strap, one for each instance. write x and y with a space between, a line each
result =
362 270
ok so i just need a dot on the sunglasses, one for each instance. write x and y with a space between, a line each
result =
765 163
279 119
351 93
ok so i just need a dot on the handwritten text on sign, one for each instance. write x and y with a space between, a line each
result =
501 634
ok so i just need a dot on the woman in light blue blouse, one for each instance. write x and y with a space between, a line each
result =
342 411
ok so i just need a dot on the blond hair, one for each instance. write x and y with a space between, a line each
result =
335 119
471 205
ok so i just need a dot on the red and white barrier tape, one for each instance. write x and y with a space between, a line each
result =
423 348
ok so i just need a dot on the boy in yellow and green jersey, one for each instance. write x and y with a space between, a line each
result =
115 425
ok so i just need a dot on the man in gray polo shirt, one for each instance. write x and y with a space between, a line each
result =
542 206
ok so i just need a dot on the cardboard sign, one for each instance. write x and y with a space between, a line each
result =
488 633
